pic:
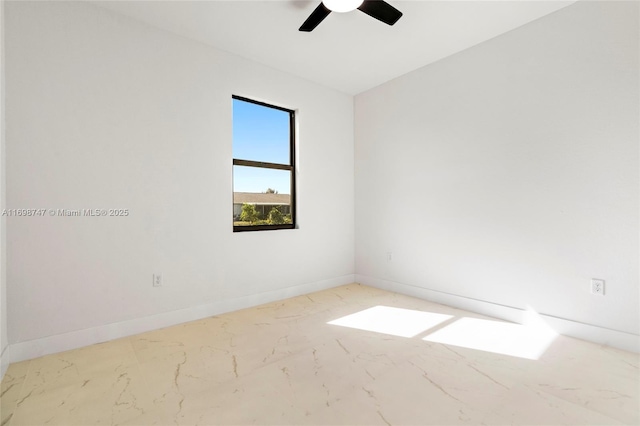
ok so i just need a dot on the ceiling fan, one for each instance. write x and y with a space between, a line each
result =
378 9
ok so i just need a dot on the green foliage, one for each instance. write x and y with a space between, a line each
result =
249 213
251 216
276 217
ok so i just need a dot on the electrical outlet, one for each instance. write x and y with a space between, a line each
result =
597 286
157 280
389 256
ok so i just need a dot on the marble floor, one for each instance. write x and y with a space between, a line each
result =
352 355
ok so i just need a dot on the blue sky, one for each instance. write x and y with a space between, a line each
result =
260 134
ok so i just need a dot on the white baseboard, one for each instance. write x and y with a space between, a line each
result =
617 339
62 342
76 339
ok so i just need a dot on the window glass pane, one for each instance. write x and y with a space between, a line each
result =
260 133
261 196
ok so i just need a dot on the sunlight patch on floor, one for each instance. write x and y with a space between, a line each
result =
493 336
395 321
529 340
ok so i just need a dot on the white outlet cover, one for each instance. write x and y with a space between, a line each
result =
597 286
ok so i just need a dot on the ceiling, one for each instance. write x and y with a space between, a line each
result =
350 52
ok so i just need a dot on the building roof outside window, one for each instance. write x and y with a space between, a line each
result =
261 198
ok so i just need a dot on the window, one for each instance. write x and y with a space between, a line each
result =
263 166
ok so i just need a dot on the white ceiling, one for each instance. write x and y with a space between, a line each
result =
350 52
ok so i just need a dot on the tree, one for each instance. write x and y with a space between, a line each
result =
275 216
271 191
249 213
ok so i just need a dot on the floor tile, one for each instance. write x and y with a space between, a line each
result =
11 387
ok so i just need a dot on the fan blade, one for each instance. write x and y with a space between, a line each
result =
315 18
381 10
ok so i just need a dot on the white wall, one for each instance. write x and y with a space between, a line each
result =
4 342
106 112
508 173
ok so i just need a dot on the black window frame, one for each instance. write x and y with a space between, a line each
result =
273 166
